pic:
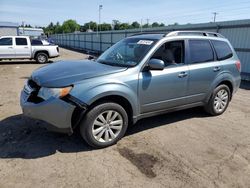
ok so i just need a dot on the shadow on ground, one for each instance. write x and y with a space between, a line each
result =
245 85
22 137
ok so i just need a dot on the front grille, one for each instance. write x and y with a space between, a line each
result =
35 89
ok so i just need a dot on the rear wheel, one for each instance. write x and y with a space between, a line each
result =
219 100
104 125
41 58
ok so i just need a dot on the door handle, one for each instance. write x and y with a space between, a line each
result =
182 74
10 47
216 69
26 47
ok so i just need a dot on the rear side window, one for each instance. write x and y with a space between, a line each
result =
21 42
6 42
222 49
36 42
200 51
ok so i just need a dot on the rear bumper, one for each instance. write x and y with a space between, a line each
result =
54 111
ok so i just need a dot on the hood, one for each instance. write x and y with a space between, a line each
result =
65 73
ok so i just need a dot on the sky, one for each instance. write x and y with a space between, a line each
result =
42 12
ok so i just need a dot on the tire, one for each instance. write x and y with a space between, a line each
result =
219 100
41 58
99 134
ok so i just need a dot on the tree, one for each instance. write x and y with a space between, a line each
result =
105 27
124 26
146 26
116 24
162 25
135 25
70 26
155 24
90 25
28 25
58 28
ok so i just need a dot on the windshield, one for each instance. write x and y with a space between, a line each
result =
128 52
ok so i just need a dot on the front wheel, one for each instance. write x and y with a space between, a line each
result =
41 58
219 100
104 125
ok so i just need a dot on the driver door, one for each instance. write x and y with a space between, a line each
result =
165 89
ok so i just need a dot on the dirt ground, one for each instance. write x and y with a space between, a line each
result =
180 149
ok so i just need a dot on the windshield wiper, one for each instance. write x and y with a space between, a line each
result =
113 64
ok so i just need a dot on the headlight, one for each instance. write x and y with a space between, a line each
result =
46 93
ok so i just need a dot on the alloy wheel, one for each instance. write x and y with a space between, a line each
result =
107 126
221 100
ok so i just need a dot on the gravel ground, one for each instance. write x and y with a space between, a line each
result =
180 149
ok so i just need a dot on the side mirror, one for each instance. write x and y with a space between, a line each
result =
90 57
156 64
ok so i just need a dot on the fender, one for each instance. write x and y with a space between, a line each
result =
92 94
222 77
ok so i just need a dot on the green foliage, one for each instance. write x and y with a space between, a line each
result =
135 25
70 26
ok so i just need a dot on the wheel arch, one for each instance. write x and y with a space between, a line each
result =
41 51
121 100
219 81
117 93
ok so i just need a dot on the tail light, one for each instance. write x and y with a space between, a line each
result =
238 65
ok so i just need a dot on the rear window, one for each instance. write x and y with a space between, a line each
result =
222 49
5 41
21 41
200 51
36 42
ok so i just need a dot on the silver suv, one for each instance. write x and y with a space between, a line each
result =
140 76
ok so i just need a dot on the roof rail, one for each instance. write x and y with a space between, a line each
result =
200 33
143 33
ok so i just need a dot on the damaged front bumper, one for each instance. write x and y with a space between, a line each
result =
64 114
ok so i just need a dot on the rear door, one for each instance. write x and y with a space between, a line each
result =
203 69
6 48
22 48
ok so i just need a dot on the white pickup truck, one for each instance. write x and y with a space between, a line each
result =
21 47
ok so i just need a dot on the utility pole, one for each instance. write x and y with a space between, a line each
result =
215 14
141 25
147 22
23 26
98 25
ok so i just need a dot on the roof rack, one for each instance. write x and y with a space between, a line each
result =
143 33
200 33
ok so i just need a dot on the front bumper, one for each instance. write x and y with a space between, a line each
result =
54 111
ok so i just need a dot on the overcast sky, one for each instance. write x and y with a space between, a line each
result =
42 12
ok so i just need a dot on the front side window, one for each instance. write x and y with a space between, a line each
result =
128 52
200 51
171 53
222 50
21 41
6 41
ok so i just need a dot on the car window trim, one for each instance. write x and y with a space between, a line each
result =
224 58
21 38
162 43
189 54
8 38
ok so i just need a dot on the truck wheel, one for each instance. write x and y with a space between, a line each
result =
219 100
41 58
104 125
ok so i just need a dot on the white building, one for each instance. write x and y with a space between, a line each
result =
8 28
33 32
